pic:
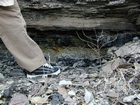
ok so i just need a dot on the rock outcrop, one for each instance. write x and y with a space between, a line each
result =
58 15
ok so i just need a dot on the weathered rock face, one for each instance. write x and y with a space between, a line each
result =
71 16
55 22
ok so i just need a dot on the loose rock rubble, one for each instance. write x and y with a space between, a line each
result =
116 82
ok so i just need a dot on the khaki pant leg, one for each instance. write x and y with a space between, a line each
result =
13 34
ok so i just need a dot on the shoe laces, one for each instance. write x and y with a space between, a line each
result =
47 65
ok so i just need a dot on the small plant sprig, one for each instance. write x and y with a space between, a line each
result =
95 44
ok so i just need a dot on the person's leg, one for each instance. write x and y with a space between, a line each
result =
13 34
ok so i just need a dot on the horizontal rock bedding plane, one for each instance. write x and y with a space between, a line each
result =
67 23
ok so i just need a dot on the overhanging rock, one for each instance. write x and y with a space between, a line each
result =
70 16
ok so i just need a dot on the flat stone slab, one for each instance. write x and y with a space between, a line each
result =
68 23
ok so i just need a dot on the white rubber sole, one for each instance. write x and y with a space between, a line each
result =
43 75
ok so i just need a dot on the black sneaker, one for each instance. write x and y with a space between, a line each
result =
44 71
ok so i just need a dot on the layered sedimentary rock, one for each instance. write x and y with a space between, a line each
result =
66 15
